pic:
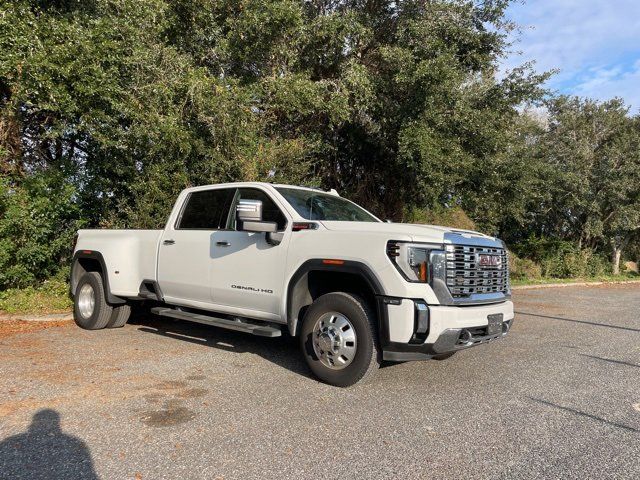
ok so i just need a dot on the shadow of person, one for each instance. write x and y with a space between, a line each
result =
45 452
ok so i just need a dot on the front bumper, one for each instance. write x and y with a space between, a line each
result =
407 335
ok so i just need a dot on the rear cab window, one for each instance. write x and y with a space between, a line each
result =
206 210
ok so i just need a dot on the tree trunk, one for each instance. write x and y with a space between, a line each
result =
615 259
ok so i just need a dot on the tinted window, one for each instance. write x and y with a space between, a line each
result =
270 211
207 210
322 206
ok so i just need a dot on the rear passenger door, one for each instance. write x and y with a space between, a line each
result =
185 256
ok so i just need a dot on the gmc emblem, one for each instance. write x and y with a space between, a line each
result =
493 261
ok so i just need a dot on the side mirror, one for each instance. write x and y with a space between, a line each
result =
249 217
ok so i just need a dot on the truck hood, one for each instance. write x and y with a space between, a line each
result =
409 231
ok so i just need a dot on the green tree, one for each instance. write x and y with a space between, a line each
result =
594 150
395 103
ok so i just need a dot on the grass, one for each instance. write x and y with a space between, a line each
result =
623 277
50 297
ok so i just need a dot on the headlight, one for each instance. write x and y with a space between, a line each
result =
412 259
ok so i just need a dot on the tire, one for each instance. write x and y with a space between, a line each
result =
91 310
330 312
119 316
443 356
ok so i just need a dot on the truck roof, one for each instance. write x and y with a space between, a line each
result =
263 184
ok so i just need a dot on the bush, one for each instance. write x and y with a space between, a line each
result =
523 268
576 264
38 220
561 259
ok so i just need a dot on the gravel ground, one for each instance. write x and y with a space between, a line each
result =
558 398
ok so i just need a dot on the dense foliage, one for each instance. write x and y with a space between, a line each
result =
109 107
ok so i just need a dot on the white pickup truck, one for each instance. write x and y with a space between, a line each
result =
261 258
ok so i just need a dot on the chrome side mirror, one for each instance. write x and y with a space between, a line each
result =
249 217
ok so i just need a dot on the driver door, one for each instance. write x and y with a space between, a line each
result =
247 271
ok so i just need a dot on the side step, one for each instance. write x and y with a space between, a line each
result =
260 330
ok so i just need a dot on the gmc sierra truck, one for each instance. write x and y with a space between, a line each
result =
267 259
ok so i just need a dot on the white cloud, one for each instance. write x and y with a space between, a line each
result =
595 44
613 82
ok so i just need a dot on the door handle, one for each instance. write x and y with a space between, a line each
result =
223 244
168 242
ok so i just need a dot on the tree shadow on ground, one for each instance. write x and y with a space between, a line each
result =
44 451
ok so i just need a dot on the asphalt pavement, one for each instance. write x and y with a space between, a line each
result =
558 398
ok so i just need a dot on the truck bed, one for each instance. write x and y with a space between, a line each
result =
130 256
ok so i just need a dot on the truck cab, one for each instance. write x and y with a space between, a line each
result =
265 258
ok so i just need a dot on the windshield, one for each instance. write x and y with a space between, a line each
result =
322 206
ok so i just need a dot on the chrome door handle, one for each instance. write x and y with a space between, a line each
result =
223 244
168 242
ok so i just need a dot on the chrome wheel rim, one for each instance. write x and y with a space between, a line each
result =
86 301
334 340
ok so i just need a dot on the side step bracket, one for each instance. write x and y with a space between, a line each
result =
240 326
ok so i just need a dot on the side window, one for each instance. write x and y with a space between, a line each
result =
270 211
206 210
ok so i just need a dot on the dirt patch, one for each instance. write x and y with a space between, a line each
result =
171 385
193 393
173 413
15 327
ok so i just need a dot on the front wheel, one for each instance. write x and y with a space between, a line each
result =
339 339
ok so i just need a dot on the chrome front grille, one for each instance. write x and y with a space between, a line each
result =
468 275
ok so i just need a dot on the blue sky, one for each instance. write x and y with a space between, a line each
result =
594 43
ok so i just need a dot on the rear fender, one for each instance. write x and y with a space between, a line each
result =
77 270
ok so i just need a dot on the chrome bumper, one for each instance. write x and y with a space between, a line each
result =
450 340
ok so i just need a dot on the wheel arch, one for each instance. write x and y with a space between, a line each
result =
315 278
91 261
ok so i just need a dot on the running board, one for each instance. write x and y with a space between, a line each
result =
260 330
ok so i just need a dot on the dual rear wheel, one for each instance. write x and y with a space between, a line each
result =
91 310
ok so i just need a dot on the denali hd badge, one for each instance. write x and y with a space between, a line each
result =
252 289
491 261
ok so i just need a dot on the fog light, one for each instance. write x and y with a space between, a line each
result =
465 337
